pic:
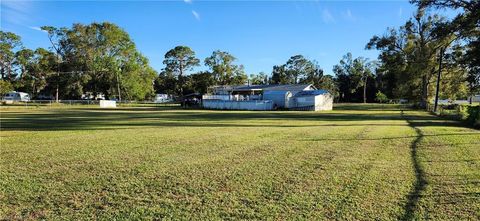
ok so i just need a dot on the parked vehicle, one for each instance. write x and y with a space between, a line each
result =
16 97
44 97
91 96
162 98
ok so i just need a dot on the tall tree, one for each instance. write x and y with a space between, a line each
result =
9 42
465 25
179 60
224 71
313 76
411 53
353 74
99 58
279 75
298 67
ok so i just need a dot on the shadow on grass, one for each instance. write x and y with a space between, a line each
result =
420 177
90 119
387 138
125 118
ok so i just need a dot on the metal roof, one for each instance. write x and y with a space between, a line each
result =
275 87
288 87
311 93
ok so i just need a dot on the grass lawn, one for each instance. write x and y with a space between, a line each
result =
358 162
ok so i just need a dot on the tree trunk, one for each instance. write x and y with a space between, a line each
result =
118 89
424 98
56 94
180 78
365 91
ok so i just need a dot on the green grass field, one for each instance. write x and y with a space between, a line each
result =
358 162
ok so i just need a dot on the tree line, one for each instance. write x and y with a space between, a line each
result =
102 58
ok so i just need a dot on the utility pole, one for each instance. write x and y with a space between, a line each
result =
118 88
58 76
365 77
438 78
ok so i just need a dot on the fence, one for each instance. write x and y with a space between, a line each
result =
238 105
232 97
93 103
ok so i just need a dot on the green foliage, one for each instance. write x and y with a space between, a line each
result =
381 97
258 79
279 75
300 70
464 25
352 75
298 67
473 117
201 82
468 113
179 60
409 57
8 43
223 70
327 82
5 87
97 58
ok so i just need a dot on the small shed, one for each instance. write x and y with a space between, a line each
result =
280 99
314 100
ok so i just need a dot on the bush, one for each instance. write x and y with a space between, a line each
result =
463 112
473 117
381 97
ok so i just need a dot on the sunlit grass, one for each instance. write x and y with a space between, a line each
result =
152 163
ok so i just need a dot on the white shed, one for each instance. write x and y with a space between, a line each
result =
281 99
315 100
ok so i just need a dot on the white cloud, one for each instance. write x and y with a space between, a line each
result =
327 16
196 15
348 15
187 1
36 28
400 12
16 12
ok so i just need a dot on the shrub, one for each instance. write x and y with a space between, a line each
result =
381 97
473 117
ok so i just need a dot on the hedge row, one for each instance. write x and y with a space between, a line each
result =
467 113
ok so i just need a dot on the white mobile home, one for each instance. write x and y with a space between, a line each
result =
16 97
268 97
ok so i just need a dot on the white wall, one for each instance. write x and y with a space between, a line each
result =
108 104
323 102
237 105
319 102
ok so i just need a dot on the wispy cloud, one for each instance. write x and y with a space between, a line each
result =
196 15
347 15
16 12
36 28
187 1
327 16
400 12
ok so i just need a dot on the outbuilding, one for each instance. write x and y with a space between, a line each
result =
314 100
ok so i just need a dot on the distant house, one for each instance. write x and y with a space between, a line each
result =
268 97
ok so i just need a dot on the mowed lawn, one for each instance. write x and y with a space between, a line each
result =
358 162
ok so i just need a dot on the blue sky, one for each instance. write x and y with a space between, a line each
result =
259 33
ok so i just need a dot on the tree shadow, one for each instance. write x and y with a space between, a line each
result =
420 177
99 119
